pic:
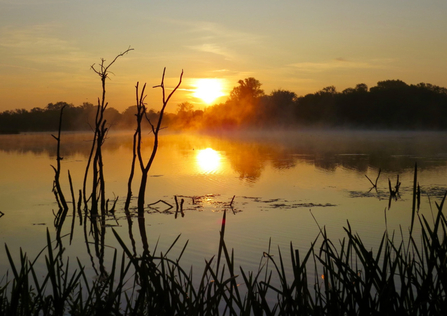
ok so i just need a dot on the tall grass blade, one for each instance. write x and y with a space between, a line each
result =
413 208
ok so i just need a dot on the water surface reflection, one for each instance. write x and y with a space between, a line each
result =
248 153
208 160
267 182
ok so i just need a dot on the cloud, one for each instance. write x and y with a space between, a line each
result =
213 49
336 64
39 44
36 37
216 38
206 31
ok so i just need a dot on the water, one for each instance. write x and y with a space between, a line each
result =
276 187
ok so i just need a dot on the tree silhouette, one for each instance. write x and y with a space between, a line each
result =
248 90
392 104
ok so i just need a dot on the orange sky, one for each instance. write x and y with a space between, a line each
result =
48 46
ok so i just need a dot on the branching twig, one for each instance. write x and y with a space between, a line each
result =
155 129
95 157
374 184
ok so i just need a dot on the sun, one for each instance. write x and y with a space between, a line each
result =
208 90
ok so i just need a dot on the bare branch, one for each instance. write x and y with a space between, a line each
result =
103 69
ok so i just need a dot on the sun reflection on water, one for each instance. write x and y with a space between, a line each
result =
208 160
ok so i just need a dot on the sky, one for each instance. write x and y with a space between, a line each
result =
47 47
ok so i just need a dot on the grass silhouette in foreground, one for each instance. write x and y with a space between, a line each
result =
407 277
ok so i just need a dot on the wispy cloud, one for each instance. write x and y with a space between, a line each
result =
206 30
213 49
337 64
35 37
39 44
216 38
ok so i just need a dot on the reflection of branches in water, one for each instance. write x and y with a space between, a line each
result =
374 184
87 244
94 229
167 210
96 236
191 203
199 202
59 217
179 209
143 234
1 213
129 228
394 193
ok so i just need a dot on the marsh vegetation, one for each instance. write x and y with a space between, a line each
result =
123 270
405 274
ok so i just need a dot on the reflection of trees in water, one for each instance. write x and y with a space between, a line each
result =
73 143
358 151
249 153
248 160
284 161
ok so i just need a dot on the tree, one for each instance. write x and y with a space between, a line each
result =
112 115
58 106
243 101
277 108
249 90
184 107
283 98
100 131
361 87
328 90
390 85
36 110
137 140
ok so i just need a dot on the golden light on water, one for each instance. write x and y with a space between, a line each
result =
208 90
208 160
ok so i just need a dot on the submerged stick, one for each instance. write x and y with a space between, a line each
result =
231 203
370 180
162 201
374 184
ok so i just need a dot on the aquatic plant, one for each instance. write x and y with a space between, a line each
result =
405 276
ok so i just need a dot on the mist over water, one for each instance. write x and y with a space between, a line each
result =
279 181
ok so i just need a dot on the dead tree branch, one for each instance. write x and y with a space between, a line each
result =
155 130
100 132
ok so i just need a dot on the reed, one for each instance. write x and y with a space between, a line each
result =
404 276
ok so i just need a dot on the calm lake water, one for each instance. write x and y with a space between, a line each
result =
280 182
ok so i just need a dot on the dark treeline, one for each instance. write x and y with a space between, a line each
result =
47 119
392 104
75 118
